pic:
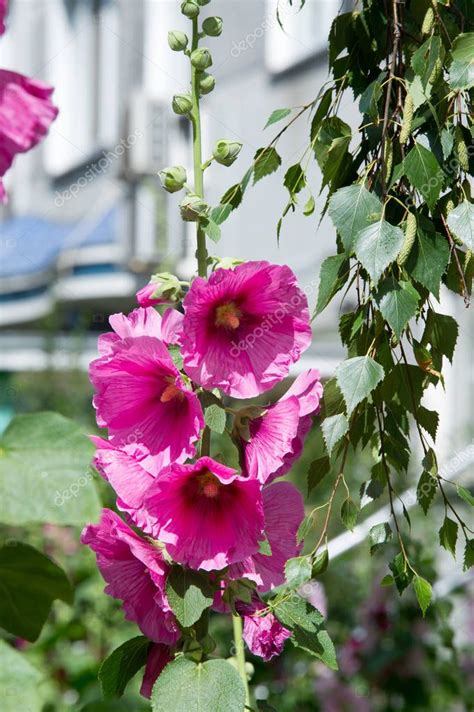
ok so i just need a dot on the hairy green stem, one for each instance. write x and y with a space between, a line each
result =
201 252
240 654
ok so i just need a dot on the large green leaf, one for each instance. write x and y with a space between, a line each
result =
266 161
212 686
189 594
461 72
461 223
357 377
424 173
424 59
44 472
307 626
118 669
428 260
377 246
29 583
19 682
352 209
398 302
334 428
463 47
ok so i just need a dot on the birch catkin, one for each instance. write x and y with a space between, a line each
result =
407 119
461 148
410 235
428 21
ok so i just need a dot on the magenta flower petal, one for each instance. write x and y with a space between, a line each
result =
277 436
145 296
158 658
284 511
244 327
3 14
140 322
135 572
172 326
207 514
140 395
264 635
26 113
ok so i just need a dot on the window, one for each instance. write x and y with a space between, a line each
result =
305 31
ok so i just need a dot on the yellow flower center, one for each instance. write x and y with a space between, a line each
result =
171 391
208 484
228 316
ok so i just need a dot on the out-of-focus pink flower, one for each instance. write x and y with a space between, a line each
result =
244 327
276 438
264 634
140 394
26 113
207 515
284 511
158 657
135 572
3 14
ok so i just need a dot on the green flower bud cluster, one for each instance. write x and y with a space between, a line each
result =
226 152
193 208
168 287
173 178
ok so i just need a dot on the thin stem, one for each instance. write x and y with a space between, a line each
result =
240 654
201 252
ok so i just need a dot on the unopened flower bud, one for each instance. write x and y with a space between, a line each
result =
178 41
206 83
173 178
201 58
203 2
182 103
163 288
212 26
193 207
226 152
190 9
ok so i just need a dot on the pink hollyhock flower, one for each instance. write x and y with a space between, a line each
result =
141 322
207 515
264 634
158 658
244 327
135 572
145 296
275 439
140 394
130 471
284 511
26 113
3 14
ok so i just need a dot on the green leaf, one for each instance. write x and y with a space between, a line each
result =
441 332
298 571
424 173
461 223
330 147
398 303
320 563
49 455
307 626
276 116
428 260
215 418
424 592
349 512
212 230
189 594
19 682
110 706
377 246
379 535
29 583
387 580
463 48
426 490
424 59
334 428
368 103
468 555
265 548
220 213
266 161
357 377
352 209
309 207
428 420
448 535
332 277
233 196
304 528
461 75
317 471
122 665
295 179
184 686
175 354
465 495
401 573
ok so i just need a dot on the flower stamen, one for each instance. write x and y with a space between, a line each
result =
228 316
208 484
